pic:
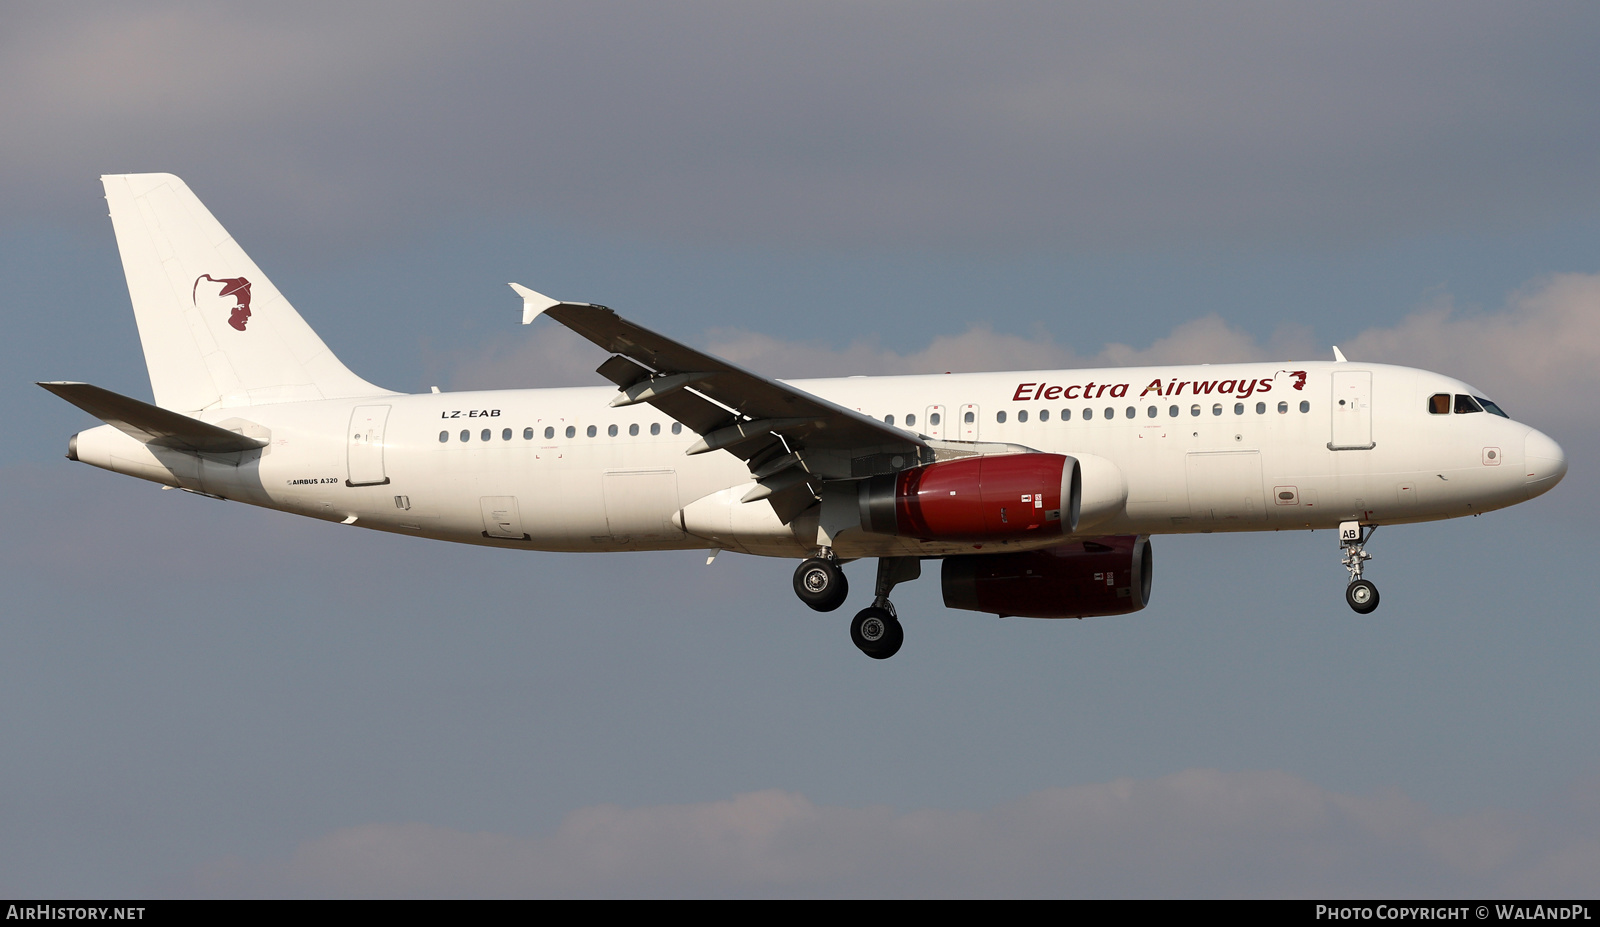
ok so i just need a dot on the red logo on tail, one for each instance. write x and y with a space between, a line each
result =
236 287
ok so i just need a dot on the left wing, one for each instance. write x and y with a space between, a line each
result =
791 440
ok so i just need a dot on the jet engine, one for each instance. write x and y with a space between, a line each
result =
1010 496
1079 579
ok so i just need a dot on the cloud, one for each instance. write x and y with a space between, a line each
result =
553 356
832 125
1197 833
1539 353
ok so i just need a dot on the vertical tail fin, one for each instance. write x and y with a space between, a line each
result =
216 332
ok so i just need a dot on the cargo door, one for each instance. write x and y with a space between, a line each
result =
501 518
640 504
1225 487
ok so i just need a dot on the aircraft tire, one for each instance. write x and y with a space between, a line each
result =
877 633
1362 596
821 584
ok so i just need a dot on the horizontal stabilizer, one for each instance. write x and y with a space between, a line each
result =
150 424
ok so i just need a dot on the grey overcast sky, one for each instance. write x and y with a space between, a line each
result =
197 698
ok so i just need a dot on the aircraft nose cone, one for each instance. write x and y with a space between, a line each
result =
1546 462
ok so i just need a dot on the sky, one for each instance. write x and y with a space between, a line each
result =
203 699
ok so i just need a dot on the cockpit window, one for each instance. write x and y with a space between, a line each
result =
1490 407
1439 404
1465 404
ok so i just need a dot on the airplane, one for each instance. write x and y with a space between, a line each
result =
1037 491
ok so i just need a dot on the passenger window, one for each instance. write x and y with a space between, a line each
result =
1172 411
549 433
1261 408
911 419
1283 407
969 418
888 419
1305 405
1044 415
484 434
1021 416
1216 408
1465 404
611 431
633 430
655 428
590 431
1110 412
505 434
934 418
1088 414
1439 404
572 432
677 428
1066 415
1000 417
1129 412
444 436
466 435
527 434
1194 409
1153 412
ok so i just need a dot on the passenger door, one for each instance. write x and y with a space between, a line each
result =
1351 411
365 457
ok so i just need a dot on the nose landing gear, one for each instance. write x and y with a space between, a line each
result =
1361 595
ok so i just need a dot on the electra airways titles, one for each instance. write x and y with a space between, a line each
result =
1037 491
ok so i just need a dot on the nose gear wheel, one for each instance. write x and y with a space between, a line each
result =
1361 595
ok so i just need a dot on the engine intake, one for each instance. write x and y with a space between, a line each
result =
1079 579
976 498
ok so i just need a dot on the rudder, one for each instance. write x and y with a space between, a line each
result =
216 332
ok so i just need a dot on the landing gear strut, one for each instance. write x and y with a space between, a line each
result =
820 583
876 629
1361 595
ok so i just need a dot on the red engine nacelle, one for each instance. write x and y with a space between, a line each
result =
977 498
1080 579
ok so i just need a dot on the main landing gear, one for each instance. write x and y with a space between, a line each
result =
875 629
1361 595
820 583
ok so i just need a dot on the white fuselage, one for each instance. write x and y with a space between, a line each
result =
499 467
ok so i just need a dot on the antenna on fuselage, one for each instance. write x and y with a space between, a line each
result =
1338 355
